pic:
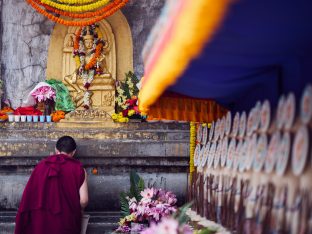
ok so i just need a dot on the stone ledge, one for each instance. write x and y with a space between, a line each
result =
103 126
104 165
91 148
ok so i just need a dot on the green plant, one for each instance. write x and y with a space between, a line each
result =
180 215
136 186
125 90
207 231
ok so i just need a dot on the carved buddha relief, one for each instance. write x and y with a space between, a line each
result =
115 60
94 88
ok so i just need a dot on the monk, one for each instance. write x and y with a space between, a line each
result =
55 195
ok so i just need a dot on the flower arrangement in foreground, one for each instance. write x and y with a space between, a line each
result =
178 223
168 226
143 206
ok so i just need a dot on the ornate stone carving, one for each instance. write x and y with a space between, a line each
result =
62 66
88 115
103 84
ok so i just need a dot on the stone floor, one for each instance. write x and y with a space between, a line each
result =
99 223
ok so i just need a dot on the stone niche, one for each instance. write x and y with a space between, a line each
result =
118 59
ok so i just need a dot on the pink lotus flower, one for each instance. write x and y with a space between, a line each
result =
168 226
147 195
44 93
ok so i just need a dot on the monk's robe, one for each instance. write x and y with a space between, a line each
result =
51 203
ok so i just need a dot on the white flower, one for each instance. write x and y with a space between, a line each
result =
168 226
147 193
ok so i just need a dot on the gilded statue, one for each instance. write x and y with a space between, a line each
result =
92 73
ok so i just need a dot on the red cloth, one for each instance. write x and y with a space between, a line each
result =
51 201
30 110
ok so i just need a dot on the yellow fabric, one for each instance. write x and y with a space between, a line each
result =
186 109
194 28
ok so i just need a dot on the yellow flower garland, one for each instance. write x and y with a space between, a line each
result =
77 60
192 147
119 118
83 8
99 33
80 2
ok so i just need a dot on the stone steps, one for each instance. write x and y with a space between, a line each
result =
99 223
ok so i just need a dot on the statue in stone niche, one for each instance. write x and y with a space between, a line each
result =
91 75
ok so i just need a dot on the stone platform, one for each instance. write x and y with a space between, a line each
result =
159 152
99 223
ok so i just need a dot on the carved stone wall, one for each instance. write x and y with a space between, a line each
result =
25 39
158 151
26 35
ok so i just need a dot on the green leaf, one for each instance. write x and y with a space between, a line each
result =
136 185
134 178
207 231
180 215
141 185
124 204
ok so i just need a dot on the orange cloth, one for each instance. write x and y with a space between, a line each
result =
177 107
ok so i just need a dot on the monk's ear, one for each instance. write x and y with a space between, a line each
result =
73 153
57 151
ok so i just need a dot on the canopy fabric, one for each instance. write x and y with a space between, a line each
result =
262 49
171 106
176 42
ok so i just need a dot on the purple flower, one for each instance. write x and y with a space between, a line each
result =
123 229
167 226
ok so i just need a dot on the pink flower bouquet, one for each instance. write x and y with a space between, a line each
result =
154 205
44 93
168 226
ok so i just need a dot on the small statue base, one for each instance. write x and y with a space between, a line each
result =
92 118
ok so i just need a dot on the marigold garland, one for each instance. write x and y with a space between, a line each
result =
58 115
76 23
80 2
81 15
73 8
192 147
97 53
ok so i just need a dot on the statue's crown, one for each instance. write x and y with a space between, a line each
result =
88 34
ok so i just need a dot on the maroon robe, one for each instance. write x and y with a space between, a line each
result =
51 201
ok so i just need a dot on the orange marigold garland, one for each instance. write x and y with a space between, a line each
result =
91 14
111 9
58 115
87 70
